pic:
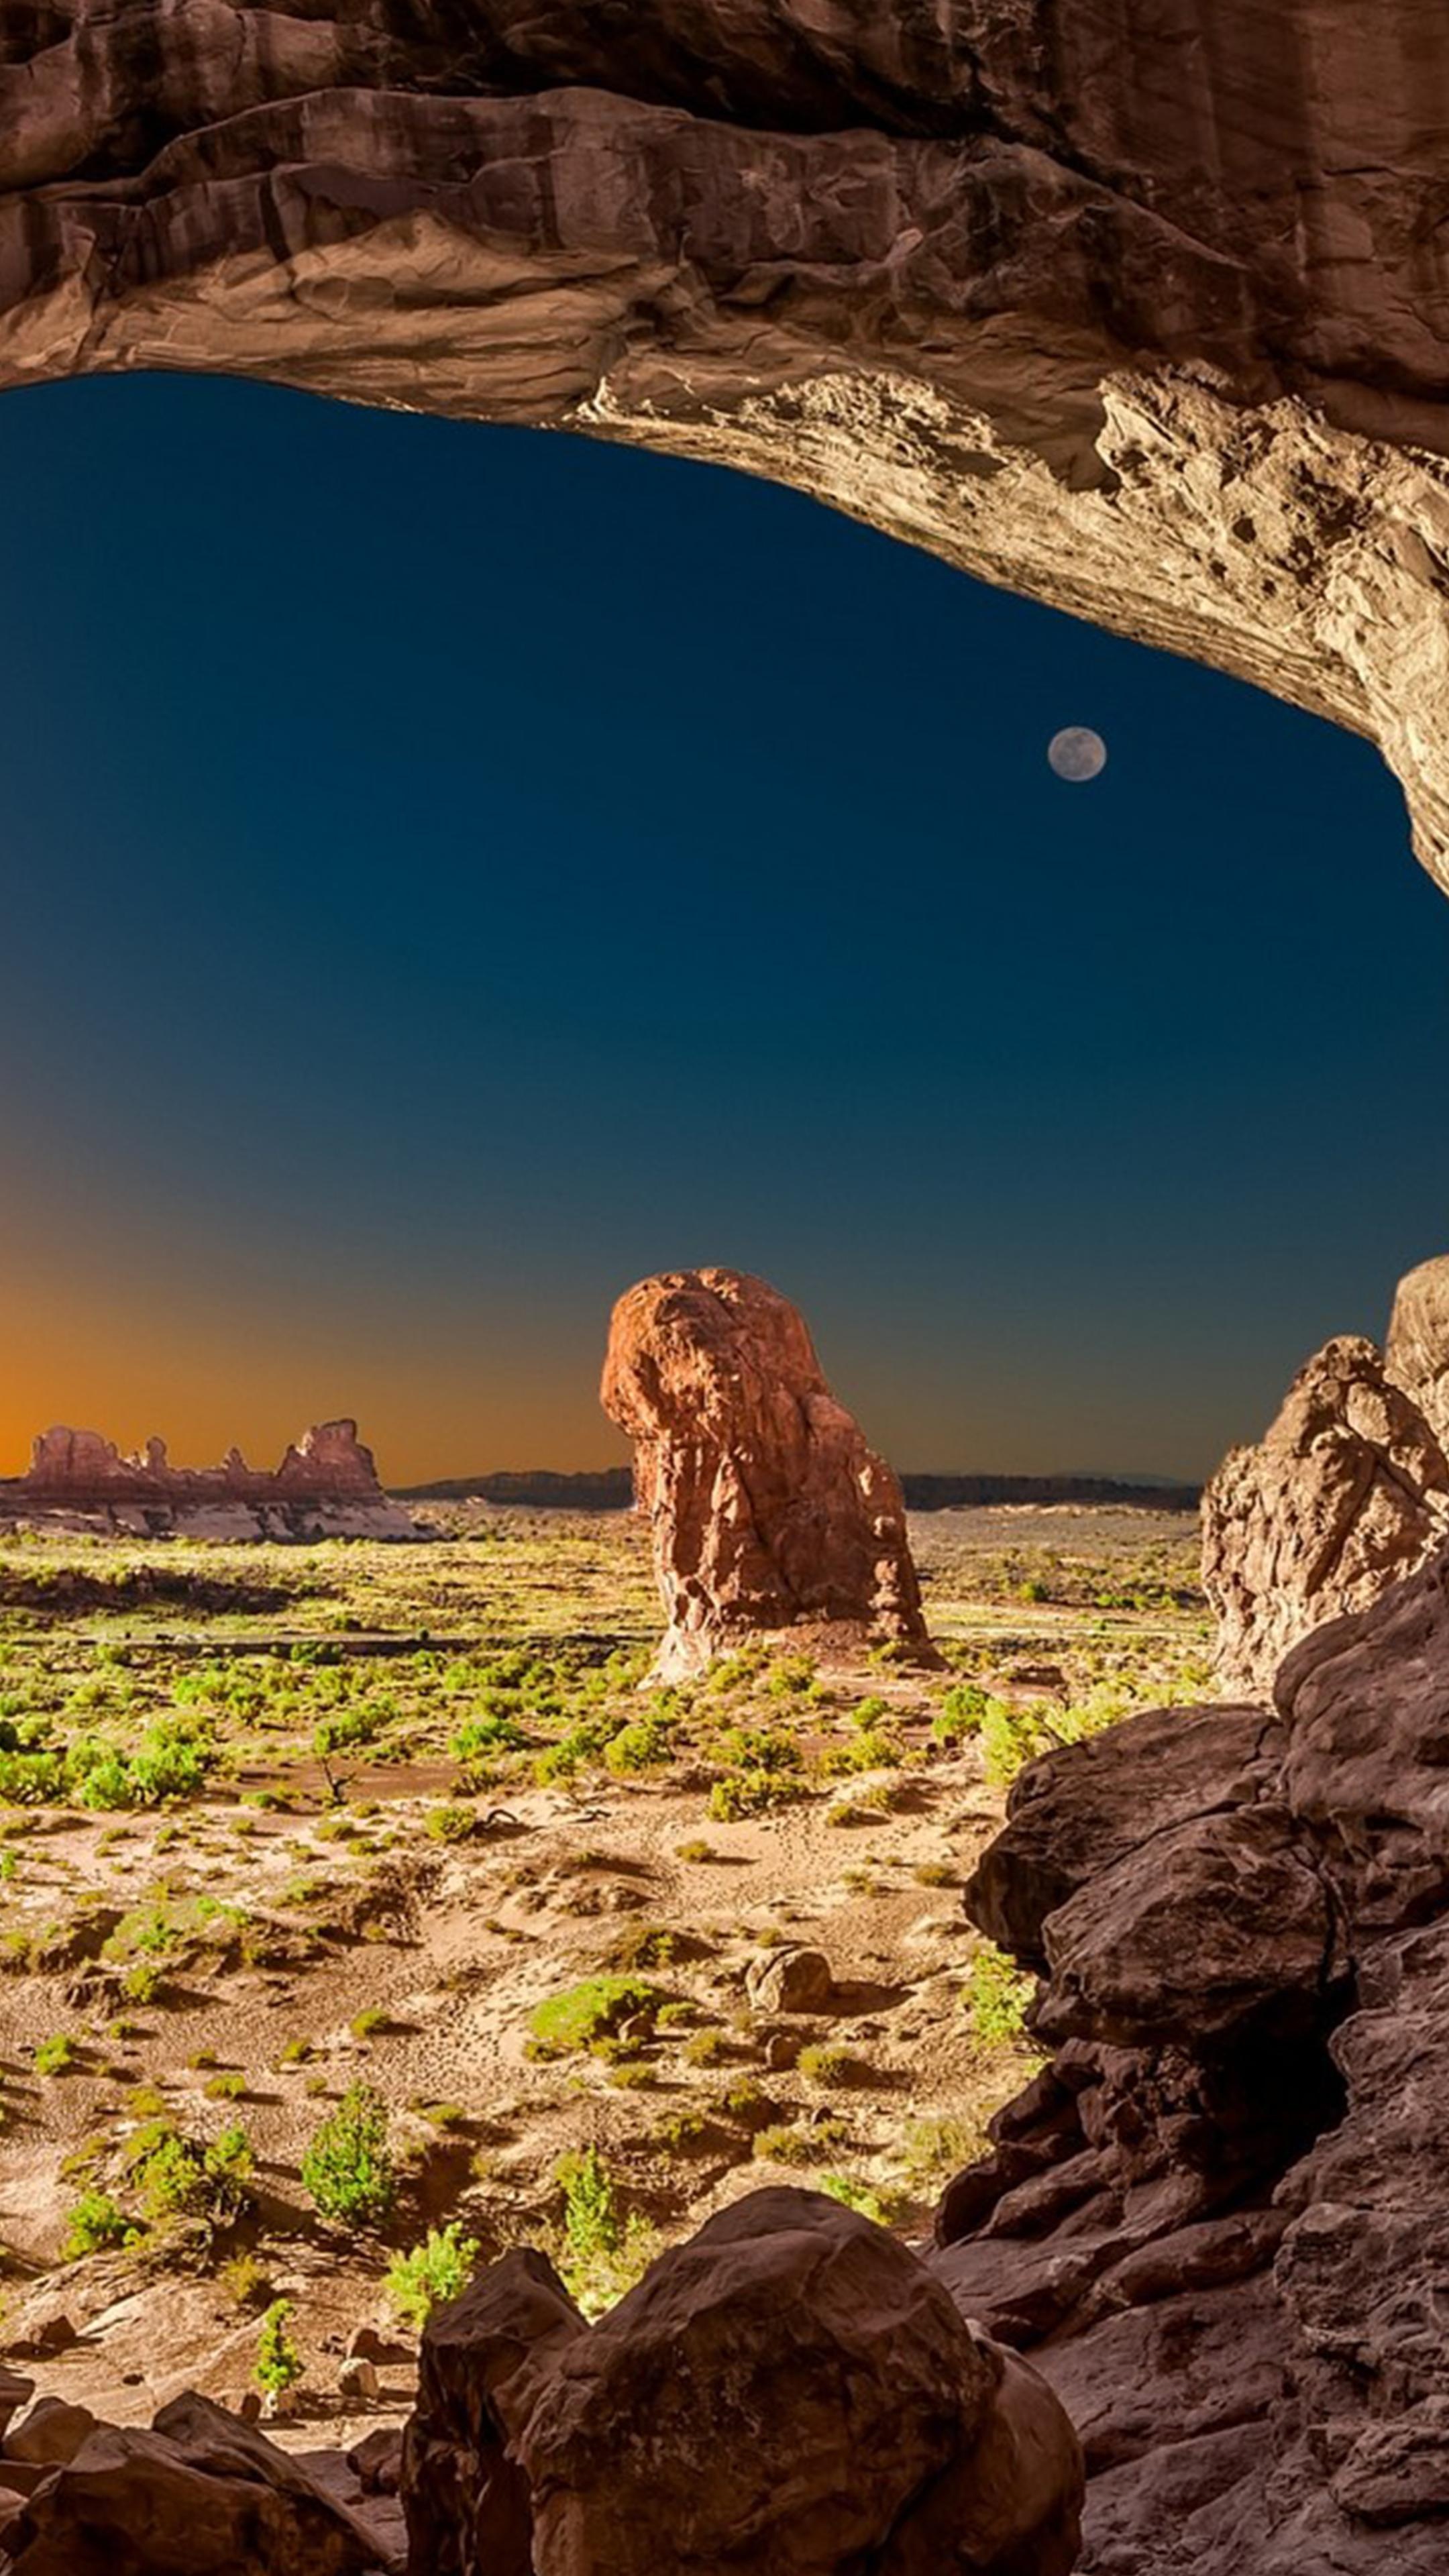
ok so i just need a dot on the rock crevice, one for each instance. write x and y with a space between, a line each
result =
1215 2218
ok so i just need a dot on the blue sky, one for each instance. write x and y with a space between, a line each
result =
449 872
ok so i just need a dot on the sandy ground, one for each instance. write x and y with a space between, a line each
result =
356 1941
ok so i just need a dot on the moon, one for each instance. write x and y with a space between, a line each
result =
1077 754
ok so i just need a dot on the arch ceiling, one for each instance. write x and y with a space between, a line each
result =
1139 306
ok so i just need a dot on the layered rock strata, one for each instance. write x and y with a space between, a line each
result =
1218 2218
1141 309
787 2394
766 1507
326 1486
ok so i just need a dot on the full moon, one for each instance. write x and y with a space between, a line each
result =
1077 753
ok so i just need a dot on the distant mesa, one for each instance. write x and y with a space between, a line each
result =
766 1507
326 1486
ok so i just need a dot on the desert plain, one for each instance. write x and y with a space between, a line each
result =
401 1838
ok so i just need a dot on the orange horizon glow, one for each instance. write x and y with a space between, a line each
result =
205 1381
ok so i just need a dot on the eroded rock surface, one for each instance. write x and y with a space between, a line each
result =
1347 1492
1217 2220
787 2394
1144 310
326 1486
201 2494
1416 1354
766 1507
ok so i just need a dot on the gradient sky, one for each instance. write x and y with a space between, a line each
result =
447 873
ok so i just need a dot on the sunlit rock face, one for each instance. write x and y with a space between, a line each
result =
1219 2218
1346 1493
1417 1352
766 1507
1141 308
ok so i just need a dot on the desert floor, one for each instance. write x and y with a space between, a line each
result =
276 1823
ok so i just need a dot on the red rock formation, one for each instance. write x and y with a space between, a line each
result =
787 2394
328 1472
766 1507
1348 1491
1143 309
1220 2218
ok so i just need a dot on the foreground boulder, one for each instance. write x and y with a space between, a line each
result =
1347 1492
1218 2220
201 2494
788 2394
766 1507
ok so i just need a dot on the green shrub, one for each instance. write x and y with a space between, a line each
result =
96 2222
178 2177
347 2170
935 2146
603 2252
278 2365
822 2065
591 2011
452 1823
246 2281
55 2056
879 2206
998 1994
431 2274
960 1714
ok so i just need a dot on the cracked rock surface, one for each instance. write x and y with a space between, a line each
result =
1218 2219
1346 1492
1141 306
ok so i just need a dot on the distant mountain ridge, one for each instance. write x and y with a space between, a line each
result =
611 1489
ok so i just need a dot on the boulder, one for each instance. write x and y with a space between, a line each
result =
202 2494
1365 1710
50 2434
767 1510
15 2391
787 2394
791 1979
467 2498
1347 1492
1232 1929
1073 1815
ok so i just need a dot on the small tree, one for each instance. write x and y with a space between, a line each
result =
278 2365
348 2168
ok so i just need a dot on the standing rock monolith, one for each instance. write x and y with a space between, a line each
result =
767 1507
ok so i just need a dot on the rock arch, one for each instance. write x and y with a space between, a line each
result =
1140 306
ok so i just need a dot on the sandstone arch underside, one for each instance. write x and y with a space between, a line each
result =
1140 306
